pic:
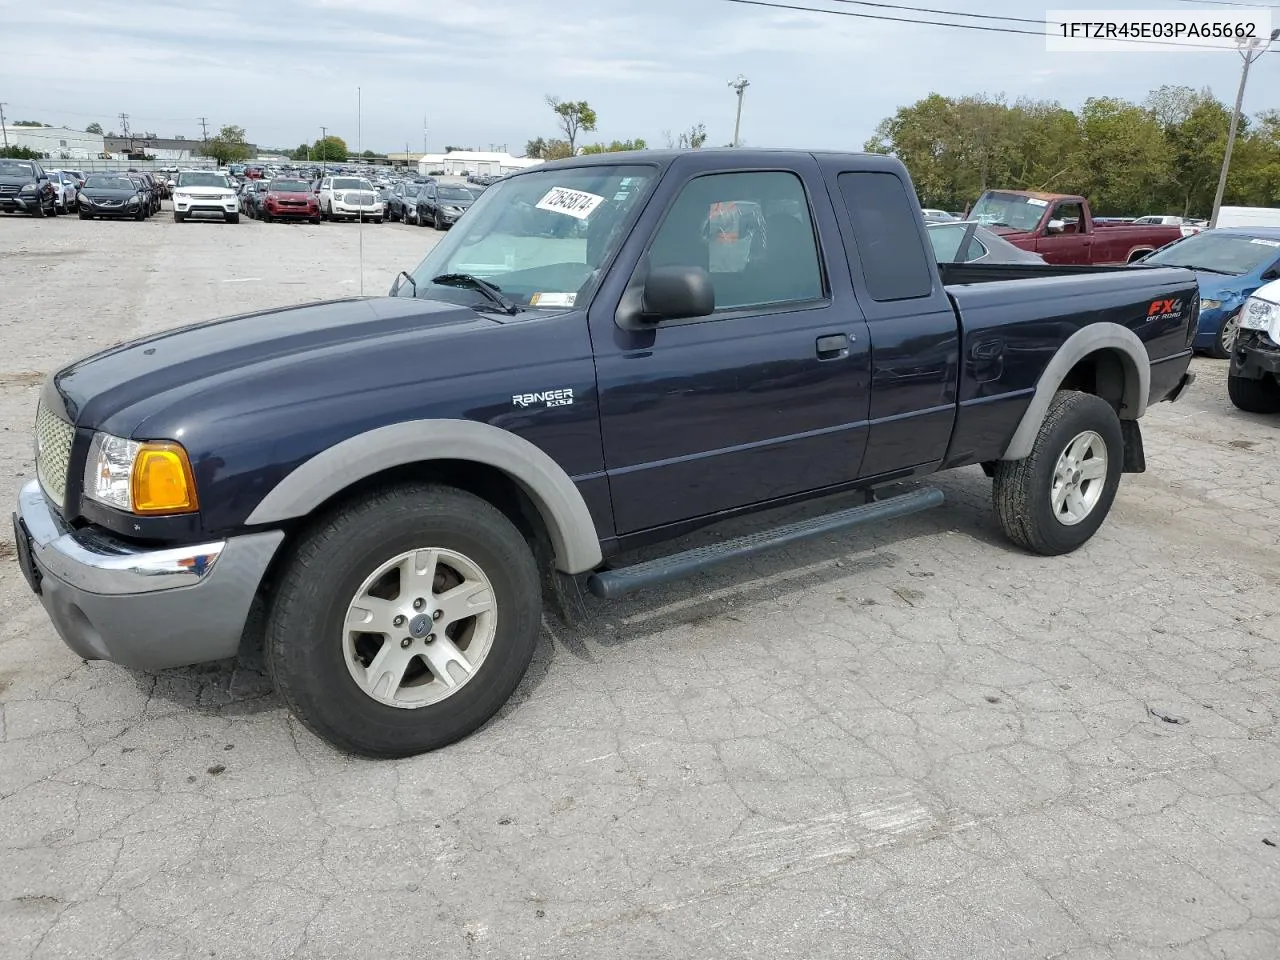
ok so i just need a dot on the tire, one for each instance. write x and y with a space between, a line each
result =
436 221
84 216
141 215
1023 490
179 217
266 217
1254 396
421 221
315 221
1225 340
377 220
314 662
233 218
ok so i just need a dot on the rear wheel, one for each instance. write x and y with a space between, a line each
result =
403 622
1053 501
1254 396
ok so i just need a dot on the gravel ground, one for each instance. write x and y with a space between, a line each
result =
911 742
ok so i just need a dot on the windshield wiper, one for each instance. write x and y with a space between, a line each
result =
491 292
1188 266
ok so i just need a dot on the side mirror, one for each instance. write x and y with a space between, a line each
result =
1272 274
1055 226
677 293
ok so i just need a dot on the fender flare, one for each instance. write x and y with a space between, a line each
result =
1087 340
564 513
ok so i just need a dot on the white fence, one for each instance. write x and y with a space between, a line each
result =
103 166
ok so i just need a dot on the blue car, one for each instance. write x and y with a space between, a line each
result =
1230 263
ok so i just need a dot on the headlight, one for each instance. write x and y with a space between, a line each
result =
1258 314
338 197
133 201
452 209
1210 304
140 477
29 188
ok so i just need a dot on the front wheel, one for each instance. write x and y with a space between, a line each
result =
233 218
403 622
436 221
1056 499
1225 341
179 217
1254 396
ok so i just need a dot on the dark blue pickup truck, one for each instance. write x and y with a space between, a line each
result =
604 352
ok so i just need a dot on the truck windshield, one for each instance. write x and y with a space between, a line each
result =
1008 210
542 238
1231 253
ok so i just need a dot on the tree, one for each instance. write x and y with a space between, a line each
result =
617 146
19 153
303 152
535 148
94 128
454 149
557 150
370 155
228 146
329 149
573 117
28 123
691 139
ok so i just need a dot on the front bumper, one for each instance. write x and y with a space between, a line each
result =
124 210
216 207
142 608
18 204
341 209
1255 357
303 213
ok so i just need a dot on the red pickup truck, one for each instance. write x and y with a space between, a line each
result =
1061 228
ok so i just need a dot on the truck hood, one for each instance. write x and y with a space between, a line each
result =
117 389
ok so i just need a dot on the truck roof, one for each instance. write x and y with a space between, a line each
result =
664 158
1037 194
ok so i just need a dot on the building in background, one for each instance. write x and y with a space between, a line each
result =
55 143
176 148
463 163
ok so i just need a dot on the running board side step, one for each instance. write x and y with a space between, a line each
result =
611 584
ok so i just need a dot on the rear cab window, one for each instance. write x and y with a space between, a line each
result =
895 264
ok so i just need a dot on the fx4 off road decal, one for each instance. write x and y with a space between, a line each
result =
1165 309
551 398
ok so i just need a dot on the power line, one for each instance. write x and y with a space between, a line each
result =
982 28
1230 3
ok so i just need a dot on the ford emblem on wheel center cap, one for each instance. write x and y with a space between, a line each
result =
419 625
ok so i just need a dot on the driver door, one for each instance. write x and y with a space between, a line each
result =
1073 244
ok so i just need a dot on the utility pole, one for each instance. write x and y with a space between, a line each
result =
740 85
204 128
1249 52
324 152
424 133
3 127
359 122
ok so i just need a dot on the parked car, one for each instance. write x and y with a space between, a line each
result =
385 194
288 198
1253 381
111 195
349 198
25 187
1061 228
251 194
524 409
145 192
933 215
404 201
67 188
205 193
969 242
1188 227
1230 264
441 204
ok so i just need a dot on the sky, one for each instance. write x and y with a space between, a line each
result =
478 72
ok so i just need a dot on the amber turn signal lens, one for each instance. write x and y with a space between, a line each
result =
162 480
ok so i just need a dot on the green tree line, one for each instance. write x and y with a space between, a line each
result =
1159 156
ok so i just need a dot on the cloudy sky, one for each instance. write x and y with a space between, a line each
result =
478 71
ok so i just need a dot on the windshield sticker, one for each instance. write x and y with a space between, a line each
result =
573 203
1265 243
1037 202
552 299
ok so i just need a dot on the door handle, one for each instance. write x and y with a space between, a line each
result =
987 350
833 346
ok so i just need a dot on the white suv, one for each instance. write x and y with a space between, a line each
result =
349 197
207 192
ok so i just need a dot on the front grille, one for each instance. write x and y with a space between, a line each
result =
8 190
358 198
105 201
53 453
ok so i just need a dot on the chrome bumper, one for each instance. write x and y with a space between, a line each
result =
142 608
